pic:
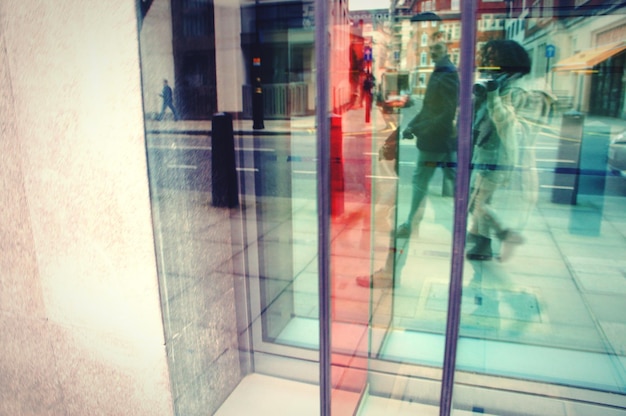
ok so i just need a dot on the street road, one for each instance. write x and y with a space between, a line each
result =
285 164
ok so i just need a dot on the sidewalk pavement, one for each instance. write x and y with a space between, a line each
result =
353 121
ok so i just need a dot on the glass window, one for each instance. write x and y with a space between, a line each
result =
316 219
455 56
457 31
539 304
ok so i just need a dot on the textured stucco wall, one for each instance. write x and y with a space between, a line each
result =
79 302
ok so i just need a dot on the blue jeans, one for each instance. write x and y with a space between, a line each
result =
427 162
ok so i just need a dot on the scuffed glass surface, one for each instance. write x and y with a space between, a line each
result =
236 238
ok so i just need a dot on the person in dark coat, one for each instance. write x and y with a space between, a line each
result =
168 101
434 127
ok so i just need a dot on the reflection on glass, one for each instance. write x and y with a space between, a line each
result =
544 277
238 281
543 237
414 176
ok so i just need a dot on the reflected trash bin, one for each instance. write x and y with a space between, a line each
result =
224 185
567 169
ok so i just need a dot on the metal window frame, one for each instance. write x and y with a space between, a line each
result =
461 200
322 55
322 38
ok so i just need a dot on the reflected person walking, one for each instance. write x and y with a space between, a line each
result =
434 128
168 101
496 135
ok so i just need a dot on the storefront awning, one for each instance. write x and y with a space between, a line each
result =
587 59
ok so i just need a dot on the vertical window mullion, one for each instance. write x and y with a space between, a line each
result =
468 30
323 199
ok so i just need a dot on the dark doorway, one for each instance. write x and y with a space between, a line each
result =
607 87
194 58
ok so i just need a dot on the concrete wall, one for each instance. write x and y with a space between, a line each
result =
229 59
80 317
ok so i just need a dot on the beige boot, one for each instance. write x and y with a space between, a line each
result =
379 279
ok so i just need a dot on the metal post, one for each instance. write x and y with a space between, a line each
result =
468 36
257 89
322 55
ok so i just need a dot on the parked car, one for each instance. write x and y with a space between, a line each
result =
617 154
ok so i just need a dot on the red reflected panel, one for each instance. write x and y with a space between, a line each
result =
350 213
350 252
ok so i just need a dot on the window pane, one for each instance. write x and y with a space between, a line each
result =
544 278
412 211
231 148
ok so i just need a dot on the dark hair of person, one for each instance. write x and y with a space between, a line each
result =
509 55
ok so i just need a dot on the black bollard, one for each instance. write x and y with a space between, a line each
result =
257 108
257 93
224 188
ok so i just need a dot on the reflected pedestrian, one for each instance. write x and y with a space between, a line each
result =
436 142
168 101
497 135
434 128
